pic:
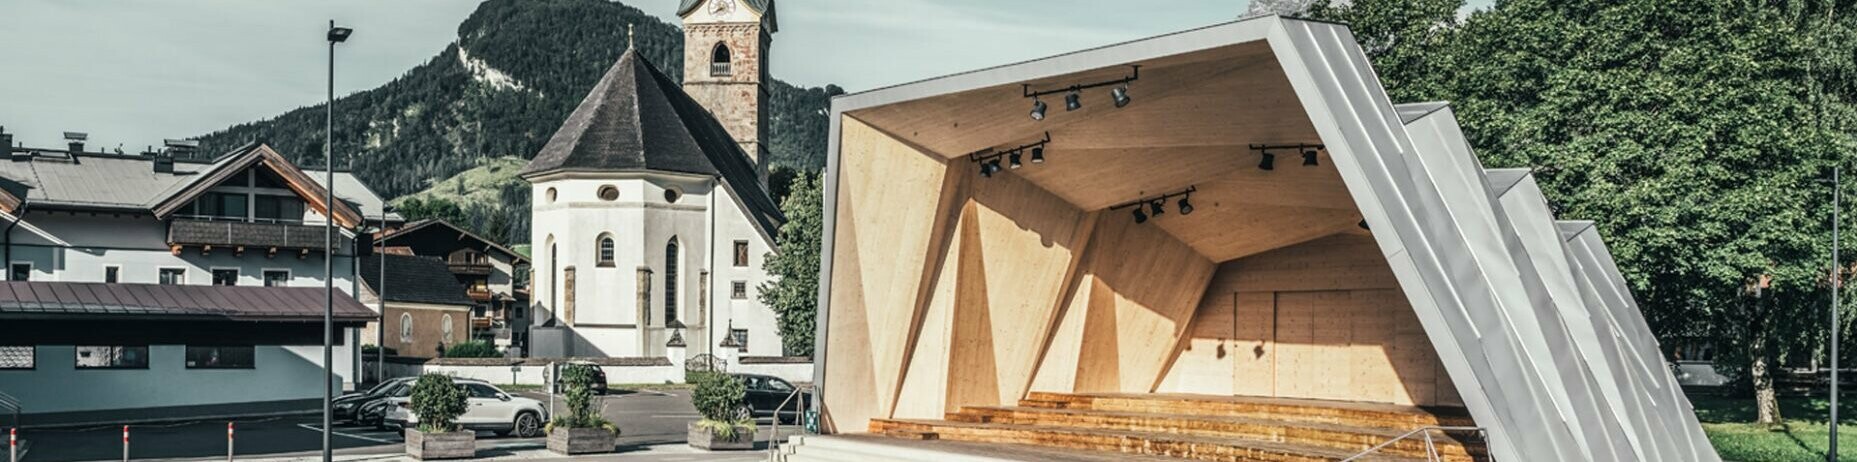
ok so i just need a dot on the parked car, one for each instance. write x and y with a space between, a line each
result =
375 412
348 406
765 395
599 378
486 408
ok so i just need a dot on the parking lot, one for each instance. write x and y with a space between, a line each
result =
645 419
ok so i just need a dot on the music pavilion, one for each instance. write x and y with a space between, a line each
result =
1219 244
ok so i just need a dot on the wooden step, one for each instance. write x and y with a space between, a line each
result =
1385 416
1126 442
1328 435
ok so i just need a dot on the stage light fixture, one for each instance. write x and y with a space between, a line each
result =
1308 158
1038 154
1186 205
1157 207
1013 160
1038 110
1073 101
1268 162
1073 94
1139 216
1120 95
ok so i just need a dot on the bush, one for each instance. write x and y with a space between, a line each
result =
716 397
370 350
438 402
473 349
577 379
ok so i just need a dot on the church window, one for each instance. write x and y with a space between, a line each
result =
609 193
672 194
719 61
741 254
670 281
606 251
551 195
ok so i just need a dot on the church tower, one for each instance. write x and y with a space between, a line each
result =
725 65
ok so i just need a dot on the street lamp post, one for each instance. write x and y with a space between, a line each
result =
336 35
1837 285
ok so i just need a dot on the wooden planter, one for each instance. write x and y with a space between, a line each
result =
449 445
702 438
571 441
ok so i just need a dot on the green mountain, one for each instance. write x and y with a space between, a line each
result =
516 71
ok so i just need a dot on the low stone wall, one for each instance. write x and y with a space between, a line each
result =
529 371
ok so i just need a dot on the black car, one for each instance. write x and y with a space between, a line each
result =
348 406
765 395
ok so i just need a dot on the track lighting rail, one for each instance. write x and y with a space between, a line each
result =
1157 206
1135 75
989 158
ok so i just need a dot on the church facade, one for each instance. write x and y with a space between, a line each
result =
651 213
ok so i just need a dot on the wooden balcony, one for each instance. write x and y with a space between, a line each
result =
469 269
237 236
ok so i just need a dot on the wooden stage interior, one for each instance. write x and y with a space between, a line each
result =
950 290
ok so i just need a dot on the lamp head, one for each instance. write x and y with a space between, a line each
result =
339 34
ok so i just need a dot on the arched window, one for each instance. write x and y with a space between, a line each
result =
406 328
670 281
606 250
447 328
719 61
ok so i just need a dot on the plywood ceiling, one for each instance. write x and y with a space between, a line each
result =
1191 122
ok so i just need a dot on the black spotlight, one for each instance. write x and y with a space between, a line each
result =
1140 217
1157 207
1038 110
1038 154
1308 158
1013 160
1073 101
1186 205
1120 94
1268 162
989 167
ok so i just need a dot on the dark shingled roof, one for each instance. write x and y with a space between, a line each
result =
765 7
65 300
415 279
635 119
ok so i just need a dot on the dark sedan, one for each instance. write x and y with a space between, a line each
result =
766 393
348 407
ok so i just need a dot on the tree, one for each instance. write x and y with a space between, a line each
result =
793 291
1695 133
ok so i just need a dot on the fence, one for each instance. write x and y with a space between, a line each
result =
528 371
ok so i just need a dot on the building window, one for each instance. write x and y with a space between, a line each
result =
609 193
225 276
269 208
221 357
276 278
112 274
112 357
18 357
670 281
739 290
406 328
173 276
446 328
20 271
741 254
741 338
606 251
671 195
719 60
551 195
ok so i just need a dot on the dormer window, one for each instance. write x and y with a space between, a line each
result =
253 195
719 61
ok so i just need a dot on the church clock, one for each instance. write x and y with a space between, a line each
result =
721 7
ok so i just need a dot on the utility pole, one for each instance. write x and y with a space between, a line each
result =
336 35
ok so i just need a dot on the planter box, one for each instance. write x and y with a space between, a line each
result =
449 445
702 438
572 441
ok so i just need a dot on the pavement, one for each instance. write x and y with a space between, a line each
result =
653 426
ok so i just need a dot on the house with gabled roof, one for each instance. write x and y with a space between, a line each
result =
201 275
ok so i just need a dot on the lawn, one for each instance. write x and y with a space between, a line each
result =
1803 436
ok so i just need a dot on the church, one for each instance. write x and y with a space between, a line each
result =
651 211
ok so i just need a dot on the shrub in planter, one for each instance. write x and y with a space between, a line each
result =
473 349
437 403
582 430
720 398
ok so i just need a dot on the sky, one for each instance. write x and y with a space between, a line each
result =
134 72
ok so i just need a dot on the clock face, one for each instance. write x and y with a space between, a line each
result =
721 7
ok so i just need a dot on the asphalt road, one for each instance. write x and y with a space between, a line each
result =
645 419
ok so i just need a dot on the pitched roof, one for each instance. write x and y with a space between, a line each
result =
637 119
56 179
414 279
40 299
236 162
436 224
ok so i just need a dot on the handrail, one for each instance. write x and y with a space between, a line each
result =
773 439
1431 448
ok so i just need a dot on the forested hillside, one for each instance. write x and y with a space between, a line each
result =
515 72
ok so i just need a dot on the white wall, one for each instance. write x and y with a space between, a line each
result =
56 385
532 374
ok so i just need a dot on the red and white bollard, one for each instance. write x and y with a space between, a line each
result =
125 443
228 441
12 444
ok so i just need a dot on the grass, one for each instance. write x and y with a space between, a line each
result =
1802 435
